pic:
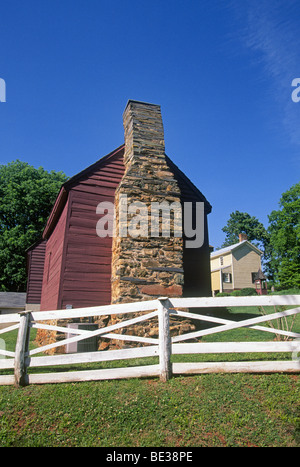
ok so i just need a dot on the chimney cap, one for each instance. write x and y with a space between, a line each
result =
139 102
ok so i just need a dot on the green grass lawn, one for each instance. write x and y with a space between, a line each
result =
204 410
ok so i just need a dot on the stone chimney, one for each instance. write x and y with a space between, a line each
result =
144 265
242 237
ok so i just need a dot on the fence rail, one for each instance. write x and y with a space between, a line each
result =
163 347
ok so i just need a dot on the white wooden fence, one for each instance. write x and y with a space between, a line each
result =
23 359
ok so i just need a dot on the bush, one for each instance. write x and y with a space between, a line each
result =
236 293
248 291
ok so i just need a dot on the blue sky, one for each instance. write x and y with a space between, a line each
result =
221 71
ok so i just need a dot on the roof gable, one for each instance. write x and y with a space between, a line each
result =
231 248
189 192
98 165
73 181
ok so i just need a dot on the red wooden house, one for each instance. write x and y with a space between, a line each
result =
71 265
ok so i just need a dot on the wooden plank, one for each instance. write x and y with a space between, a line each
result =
281 332
92 357
83 295
94 182
88 289
95 190
125 337
235 325
63 329
117 170
97 254
7 380
66 330
97 332
10 318
288 366
69 297
36 260
6 363
75 241
214 319
21 349
235 347
95 311
95 375
95 271
164 340
100 256
86 222
91 199
7 353
9 328
211 302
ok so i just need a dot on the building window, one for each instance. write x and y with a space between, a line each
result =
221 260
227 278
253 275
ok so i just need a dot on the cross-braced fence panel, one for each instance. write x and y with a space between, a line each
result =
162 310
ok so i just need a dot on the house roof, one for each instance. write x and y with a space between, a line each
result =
12 300
231 248
189 189
260 275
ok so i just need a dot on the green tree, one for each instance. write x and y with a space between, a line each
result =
242 222
26 198
284 230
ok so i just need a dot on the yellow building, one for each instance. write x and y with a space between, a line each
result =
235 267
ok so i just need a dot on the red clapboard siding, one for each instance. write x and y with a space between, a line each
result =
53 264
35 265
87 264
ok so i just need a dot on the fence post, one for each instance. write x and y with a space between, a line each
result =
165 348
22 346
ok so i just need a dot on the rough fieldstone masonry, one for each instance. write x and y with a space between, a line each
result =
144 266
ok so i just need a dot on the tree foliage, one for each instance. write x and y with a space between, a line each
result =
242 222
280 242
27 195
284 230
